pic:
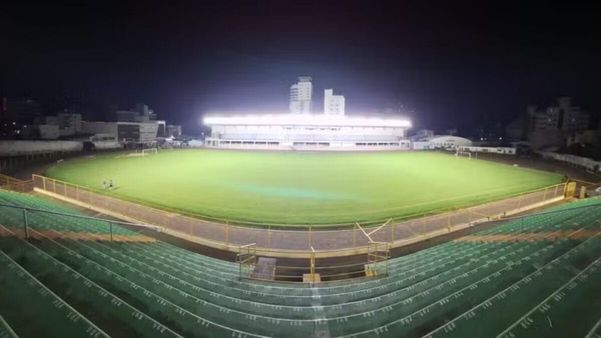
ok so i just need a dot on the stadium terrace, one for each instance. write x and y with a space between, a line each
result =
312 131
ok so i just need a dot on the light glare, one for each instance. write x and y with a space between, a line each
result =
305 120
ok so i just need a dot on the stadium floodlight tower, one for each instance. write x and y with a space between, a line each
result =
307 131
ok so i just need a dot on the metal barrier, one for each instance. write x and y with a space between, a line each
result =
378 254
349 240
247 259
28 222
13 184
376 263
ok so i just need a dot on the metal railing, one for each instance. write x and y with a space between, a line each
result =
246 257
270 241
373 264
28 211
13 184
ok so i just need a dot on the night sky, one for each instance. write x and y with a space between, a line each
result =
451 64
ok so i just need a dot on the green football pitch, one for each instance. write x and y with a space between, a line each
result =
301 188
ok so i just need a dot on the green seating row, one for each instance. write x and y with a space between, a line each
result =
460 288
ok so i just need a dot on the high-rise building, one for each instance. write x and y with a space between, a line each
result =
333 104
553 126
300 96
563 117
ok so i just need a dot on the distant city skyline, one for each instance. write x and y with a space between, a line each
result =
453 65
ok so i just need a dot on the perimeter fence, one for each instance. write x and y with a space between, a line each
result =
307 241
13 184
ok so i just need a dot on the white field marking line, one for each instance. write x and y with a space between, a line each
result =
380 227
99 330
517 322
35 248
449 296
593 331
8 328
555 260
132 283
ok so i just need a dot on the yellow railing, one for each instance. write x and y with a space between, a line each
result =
374 243
11 183
297 242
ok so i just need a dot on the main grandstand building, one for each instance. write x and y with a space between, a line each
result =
305 130
300 129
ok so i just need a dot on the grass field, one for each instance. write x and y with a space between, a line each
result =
301 188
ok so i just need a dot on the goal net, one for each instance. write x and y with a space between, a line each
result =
467 154
150 151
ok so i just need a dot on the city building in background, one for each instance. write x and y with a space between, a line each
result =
17 117
141 113
562 117
125 132
23 119
551 127
332 104
300 96
174 131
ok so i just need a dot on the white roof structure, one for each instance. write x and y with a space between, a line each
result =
305 120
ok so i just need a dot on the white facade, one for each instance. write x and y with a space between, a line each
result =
491 150
584 162
332 104
300 96
442 142
302 131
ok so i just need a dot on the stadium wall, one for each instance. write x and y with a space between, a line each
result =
28 147
579 161
25 147
490 150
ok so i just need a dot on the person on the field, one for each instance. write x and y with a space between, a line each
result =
111 184
103 184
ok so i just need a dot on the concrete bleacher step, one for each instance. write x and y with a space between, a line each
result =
191 294
265 269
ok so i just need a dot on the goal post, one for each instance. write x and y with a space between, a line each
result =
460 153
150 151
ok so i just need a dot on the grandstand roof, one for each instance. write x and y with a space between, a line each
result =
305 120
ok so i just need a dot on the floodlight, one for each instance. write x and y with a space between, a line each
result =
305 120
